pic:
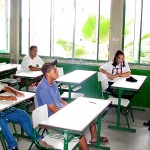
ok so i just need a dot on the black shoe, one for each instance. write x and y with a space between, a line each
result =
149 128
146 123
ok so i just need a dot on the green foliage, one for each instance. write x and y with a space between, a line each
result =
104 29
67 46
89 33
89 29
80 52
145 36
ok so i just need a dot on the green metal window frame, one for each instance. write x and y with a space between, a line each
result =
6 23
123 31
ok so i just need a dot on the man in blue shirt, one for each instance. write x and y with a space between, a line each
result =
47 93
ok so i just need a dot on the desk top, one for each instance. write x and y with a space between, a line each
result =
7 104
135 86
77 115
7 67
76 77
29 74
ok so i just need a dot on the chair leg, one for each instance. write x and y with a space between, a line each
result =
126 115
15 130
3 141
31 145
130 108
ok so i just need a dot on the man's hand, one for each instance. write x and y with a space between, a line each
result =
17 93
10 98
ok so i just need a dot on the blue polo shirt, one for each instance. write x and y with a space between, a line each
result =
48 94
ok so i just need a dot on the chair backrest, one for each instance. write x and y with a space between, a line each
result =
102 78
39 114
35 102
60 71
104 84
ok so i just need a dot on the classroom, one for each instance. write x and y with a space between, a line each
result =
74 74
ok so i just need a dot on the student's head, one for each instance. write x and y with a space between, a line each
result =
119 58
50 70
33 51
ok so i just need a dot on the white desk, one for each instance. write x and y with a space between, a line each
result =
77 116
76 77
121 84
134 86
7 67
28 75
7 104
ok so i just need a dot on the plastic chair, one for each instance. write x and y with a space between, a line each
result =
125 103
49 141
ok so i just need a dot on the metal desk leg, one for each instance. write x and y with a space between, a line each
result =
69 97
66 140
117 126
27 84
97 145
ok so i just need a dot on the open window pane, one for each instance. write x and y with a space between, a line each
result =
129 30
4 25
145 38
25 26
40 25
62 27
104 29
86 29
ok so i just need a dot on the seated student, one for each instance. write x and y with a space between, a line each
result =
15 115
147 123
47 93
32 61
116 68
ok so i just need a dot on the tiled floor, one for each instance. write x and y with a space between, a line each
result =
118 140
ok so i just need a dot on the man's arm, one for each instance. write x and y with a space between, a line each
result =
53 108
32 68
12 90
64 103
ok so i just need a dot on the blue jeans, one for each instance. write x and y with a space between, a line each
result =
17 116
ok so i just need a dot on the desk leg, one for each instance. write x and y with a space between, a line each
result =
66 140
97 145
117 127
69 98
27 84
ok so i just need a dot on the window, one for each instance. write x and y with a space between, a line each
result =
67 28
4 23
136 33
62 28
36 26
145 36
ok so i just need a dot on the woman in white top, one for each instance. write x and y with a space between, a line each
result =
117 68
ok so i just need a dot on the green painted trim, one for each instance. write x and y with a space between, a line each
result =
140 32
123 24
